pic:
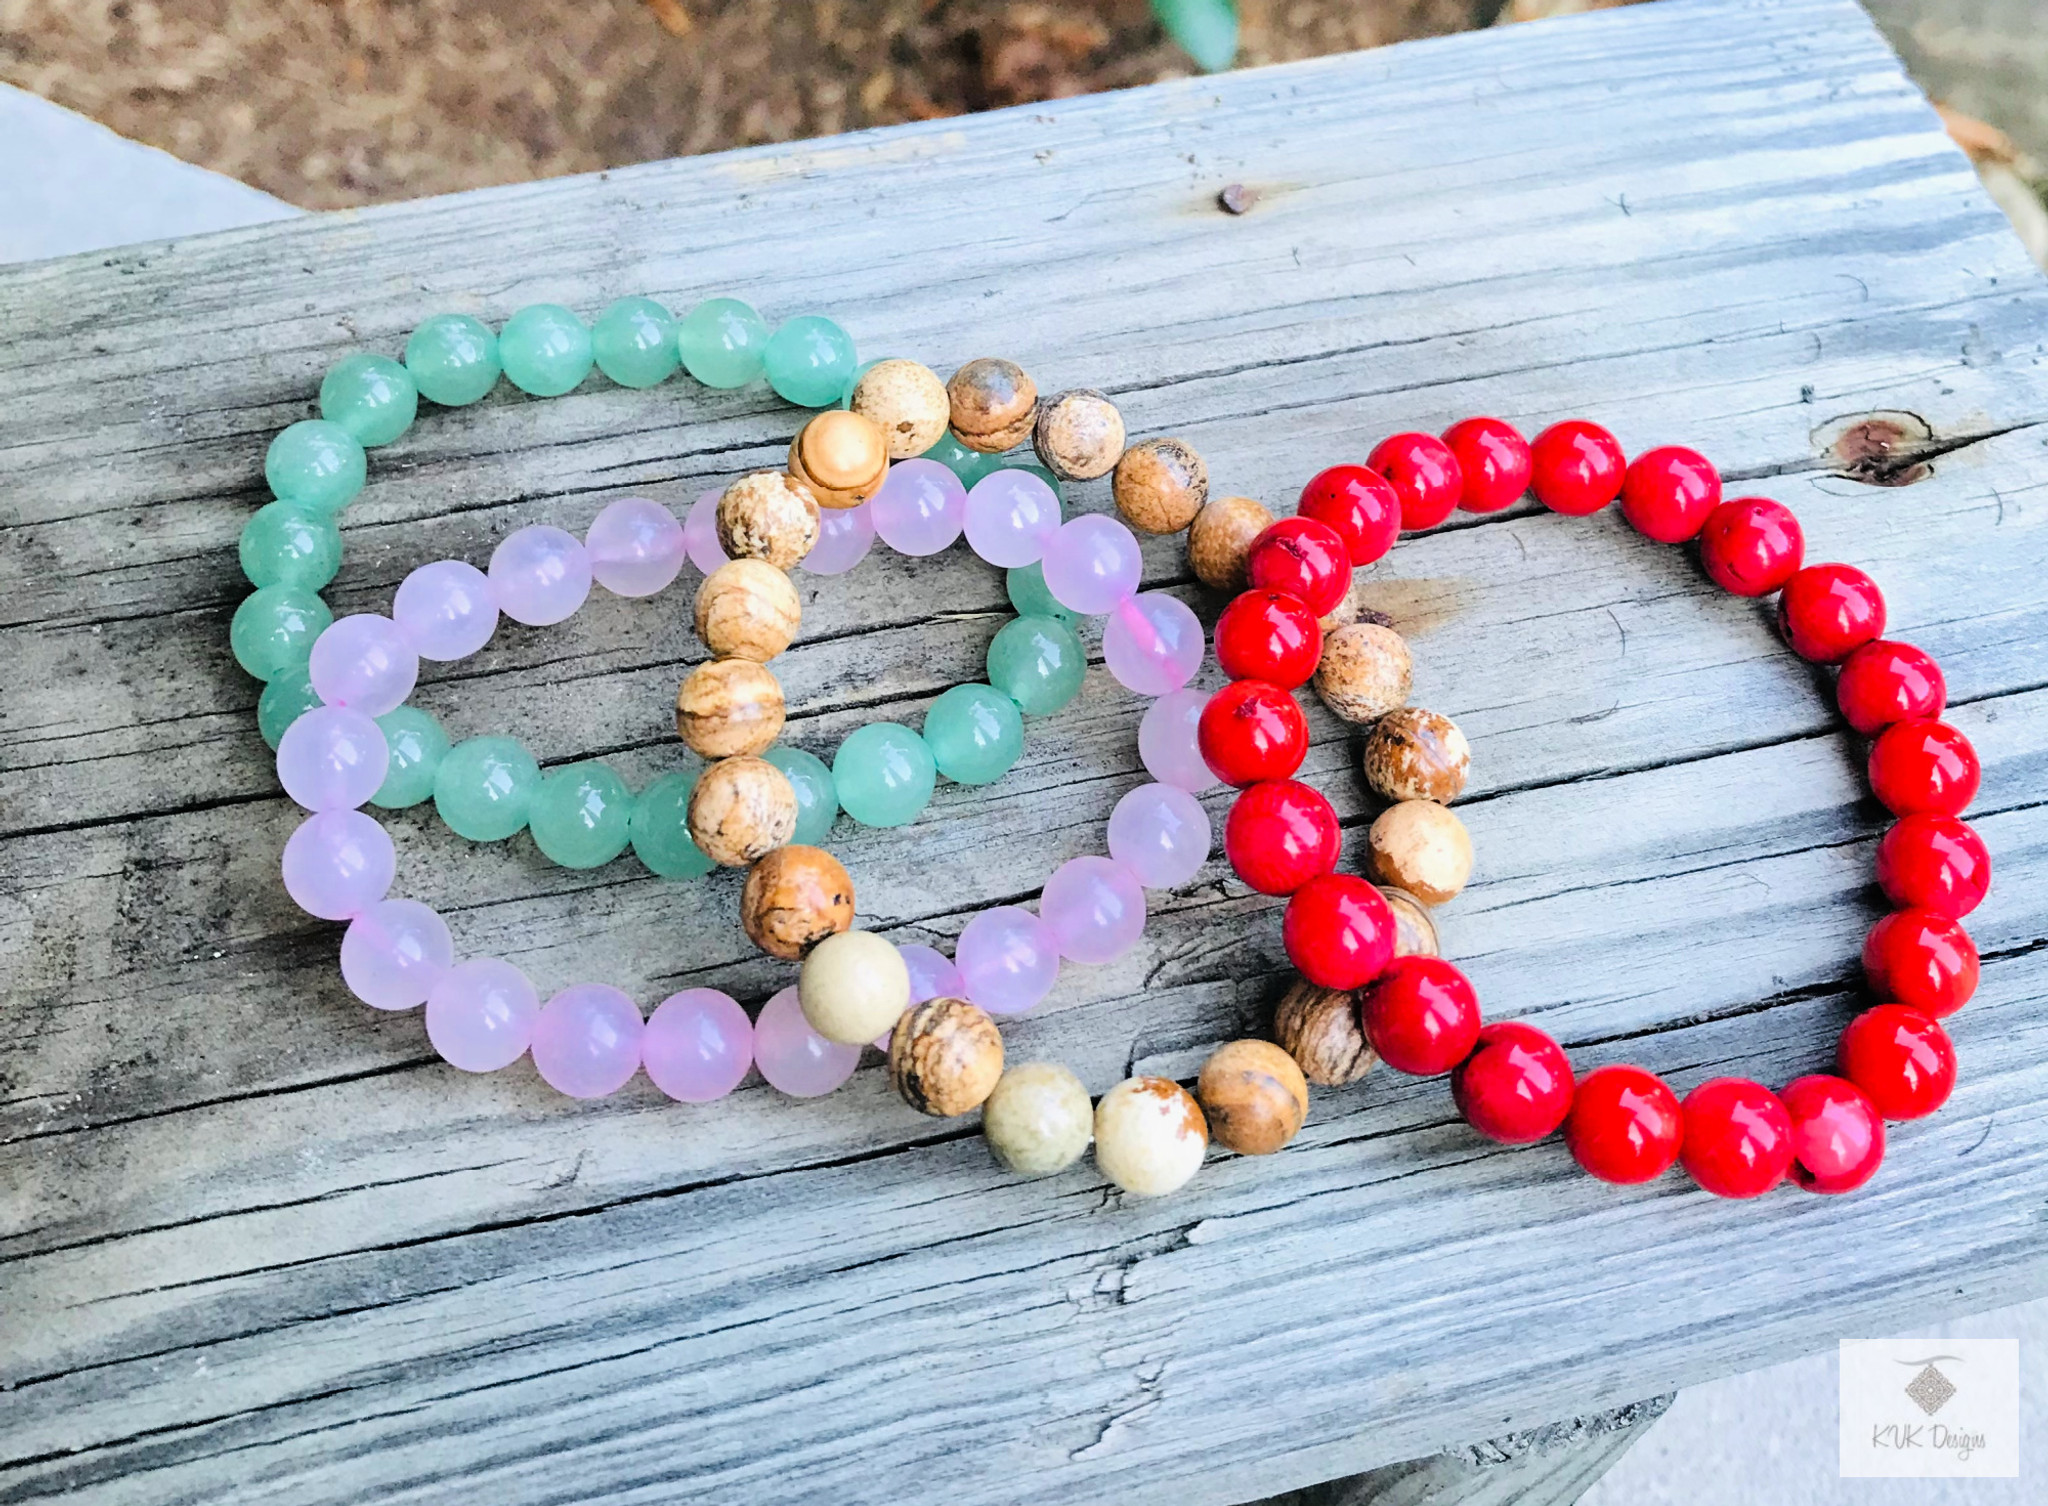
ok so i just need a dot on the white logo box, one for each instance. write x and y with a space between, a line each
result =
1930 1409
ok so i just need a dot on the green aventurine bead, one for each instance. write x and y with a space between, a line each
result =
661 828
817 803
969 465
582 816
883 774
373 397
545 350
720 341
809 361
316 464
485 787
285 699
274 629
453 359
1032 597
634 341
285 545
417 746
1036 662
975 732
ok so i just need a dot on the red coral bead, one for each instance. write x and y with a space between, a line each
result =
1624 1125
1923 767
1903 1060
1516 1086
1577 467
1667 493
1421 1015
1424 474
1827 612
1921 959
1339 931
1305 559
1250 731
1280 834
1933 863
1750 546
1360 504
1738 1137
1494 461
1837 1133
1886 682
1268 635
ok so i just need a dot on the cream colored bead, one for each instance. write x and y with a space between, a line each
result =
748 609
768 515
1038 1120
728 707
1079 435
742 809
907 401
1221 536
853 986
1150 1136
1414 754
1421 847
1365 672
841 457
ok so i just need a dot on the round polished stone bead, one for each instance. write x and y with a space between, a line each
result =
634 342
1011 516
1750 546
338 863
285 544
793 1057
1152 643
1281 833
700 533
392 952
1029 594
809 360
845 535
1250 730
363 661
1038 663
1827 612
1421 1015
485 787
1576 467
315 464
1169 741
1092 563
1359 504
920 508
1737 1141
1886 682
932 974
1668 492
660 828
1902 1059
1161 834
540 575
883 774
817 801
586 1040
285 699
1008 959
446 610
1425 475
1624 1126
332 758
1934 862
1837 1133
975 733
698 1045
481 1014
582 815
969 465
1494 463
1924 767
1922 959
373 397
1304 559
274 629
1516 1085
1095 908
1270 636
417 746
453 359
545 350
635 546
721 341
1338 931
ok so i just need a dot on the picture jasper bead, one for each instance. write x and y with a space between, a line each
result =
1160 485
748 609
945 1057
991 405
1414 930
1365 672
854 986
907 402
1220 537
742 809
1319 1029
841 457
1254 1097
1422 848
1038 1120
1413 754
767 515
729 707
1150 1136
794 898
1079 435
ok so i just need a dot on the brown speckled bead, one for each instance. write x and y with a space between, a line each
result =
728 707
1254 1096
991 405
907 402
1365 672
1352 608
1413 754
1150 1136
1420 846
1079 435
794 898
768 515
747 609
840 457
1160 484
742 809
1414 930
1219 538
1319 1028
944 1057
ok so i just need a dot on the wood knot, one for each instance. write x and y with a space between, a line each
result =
1881 449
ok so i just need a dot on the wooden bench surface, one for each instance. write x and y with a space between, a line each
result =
258 1244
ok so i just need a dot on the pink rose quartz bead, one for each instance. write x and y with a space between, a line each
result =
845 535
363 662
586 1040
932 976
698 1045
540 575
446 610
332 758
1010 517
700 533
1168 742
920 508
635 546
1152 643
392 953
1161 834
481 1014
1092 564
1095 907
338 864
1008 959
793 1057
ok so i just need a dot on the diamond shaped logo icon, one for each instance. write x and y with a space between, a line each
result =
1930 1390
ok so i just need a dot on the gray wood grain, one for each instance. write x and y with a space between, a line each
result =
256 1244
